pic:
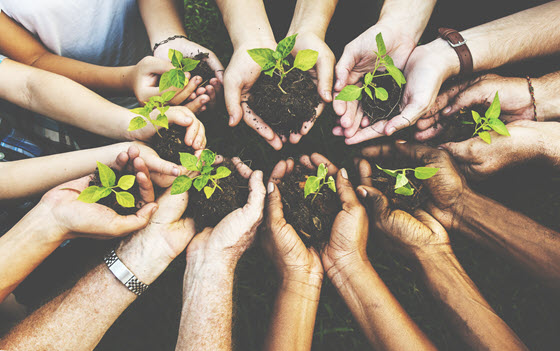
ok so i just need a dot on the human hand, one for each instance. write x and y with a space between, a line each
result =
357 60
515 101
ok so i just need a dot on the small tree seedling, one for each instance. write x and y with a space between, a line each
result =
403 186
272 62
490 121
204 166
354 92
314 184
155 103
176 77
107 177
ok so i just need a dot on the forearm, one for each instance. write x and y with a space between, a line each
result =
474 319
294 314
385 323
243 28
409 17
547 99
312 16
161 18
206 316
511 234
37 175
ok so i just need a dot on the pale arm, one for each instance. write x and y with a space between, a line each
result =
312 16
546 96
161 18
409 17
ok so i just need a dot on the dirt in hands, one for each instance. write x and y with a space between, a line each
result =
111 200
202 69
455 128
376 109
209 212
312 219
285 113
171 142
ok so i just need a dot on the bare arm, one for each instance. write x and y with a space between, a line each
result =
409 17
546 97
312 16
161 18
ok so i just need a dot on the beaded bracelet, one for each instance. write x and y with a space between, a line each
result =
532 92
167 41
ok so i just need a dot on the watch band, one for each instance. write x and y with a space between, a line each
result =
459 44
123 274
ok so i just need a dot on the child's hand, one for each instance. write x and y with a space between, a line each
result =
161 172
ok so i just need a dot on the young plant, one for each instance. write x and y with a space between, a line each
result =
176 77
155 103
204 166
490 121
403 186
94 193
272 62
354 92
314 184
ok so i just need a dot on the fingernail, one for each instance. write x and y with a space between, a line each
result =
270 187
400 141
231 120
344 173
175 171
362 192
447 109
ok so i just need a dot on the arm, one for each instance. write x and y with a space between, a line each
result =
546 97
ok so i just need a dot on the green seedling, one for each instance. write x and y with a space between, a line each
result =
204 166
314 184
159 103
354 92
272 61
490 121
94 193
176 77
403 186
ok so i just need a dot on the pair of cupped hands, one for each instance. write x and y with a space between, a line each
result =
159 225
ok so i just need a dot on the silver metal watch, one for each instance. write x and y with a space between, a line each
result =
124 274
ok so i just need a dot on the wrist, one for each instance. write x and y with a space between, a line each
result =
128 76
433 253
199 261
549 146
546 99
255 42
444 56
170 42
43 226
346 269
305 284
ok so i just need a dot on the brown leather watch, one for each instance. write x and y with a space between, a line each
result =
457 42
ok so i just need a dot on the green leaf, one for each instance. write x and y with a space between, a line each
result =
475 117
125 199
381 49
168 95
368 79
142 111
189 64
381 94
311 186
322 171
106 175
137 123
126 182
268 66
486 137
206 169
349 93
396 74
181 184
368 91
306 59
331 184
466 122
262 57
388 171
91 194
208 157
493 111
222 172
270 72
161 121
388 61
425 172
188 161
175 57
402 180
208 191
405 190
201 181
498 126
286 45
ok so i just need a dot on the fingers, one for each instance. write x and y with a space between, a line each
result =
377 203
429 221
273 205
122 225
378 151
343 68
373 131
157 65
198 103
258 125
365 172
316 159
350 115
121 161
429 133
425 123
215 64
462 151
244 170
192 132
408 116
416 152
171 207
325 72
143 179
278 172
158 165
257 193
345 191
473 95
232 96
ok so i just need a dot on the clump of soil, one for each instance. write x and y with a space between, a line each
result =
376 109
312 220
171 142
386 184
285 113
209 212
111 200
454 130
202 69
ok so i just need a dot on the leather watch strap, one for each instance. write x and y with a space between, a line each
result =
457 42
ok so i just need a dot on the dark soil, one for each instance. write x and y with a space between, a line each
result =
171 142
202 69
454 130
209 212
285 113
312 220
386 184
376 109
111 200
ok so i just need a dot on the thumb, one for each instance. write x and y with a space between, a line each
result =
459 151
274 204
171 207
122 225
473 95
343 69
377 203
408 117
232 96
158 165
325 77
429 221
156 65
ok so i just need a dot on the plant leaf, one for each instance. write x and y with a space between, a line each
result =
126 182
368 91
322 171
286 45
222 172
381 49
270 72
189 64
368 79
396 74
168 95
201 181
181 184
388 171
142 111
331 184
311 186
262 57
349 93
277 56
208 191
475 117
106 175
125 199
381 93
498 126
161 121
388 61
137 123
306 59
91 194
402 180
206 169
493 111
425 172
486 137
188 161
175 57
208 157
405 190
